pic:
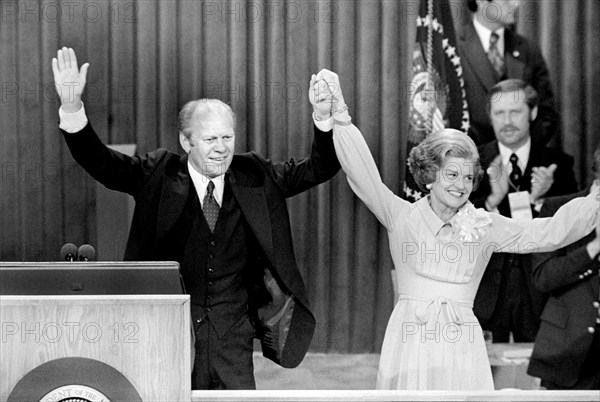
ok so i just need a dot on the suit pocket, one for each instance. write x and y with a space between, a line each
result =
555 314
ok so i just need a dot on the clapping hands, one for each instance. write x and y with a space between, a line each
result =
499 182
542 179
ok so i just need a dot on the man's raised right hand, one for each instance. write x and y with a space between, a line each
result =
68 79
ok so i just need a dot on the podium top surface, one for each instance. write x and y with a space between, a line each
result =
90 278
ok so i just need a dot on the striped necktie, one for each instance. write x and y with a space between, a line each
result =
494 55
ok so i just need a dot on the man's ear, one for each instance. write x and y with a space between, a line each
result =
185 143
533 114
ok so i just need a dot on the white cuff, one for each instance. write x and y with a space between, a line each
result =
72 122
323 125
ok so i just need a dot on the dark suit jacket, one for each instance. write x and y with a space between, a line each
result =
564 183
571 279
523 60
160 182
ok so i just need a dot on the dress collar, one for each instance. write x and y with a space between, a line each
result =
431 219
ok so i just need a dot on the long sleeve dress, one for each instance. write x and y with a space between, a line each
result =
433 340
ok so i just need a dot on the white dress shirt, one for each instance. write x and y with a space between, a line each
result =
522 153
485 34
201 183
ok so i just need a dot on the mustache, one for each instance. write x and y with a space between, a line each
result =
509 128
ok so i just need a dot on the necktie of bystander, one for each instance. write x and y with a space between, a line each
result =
494 55
515 174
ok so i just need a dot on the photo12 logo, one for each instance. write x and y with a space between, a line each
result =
54 12
71 332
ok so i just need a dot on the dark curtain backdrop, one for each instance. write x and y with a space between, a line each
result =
149 57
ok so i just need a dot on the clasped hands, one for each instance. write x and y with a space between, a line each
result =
325 94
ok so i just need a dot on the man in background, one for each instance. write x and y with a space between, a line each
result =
566 354
506 301
491 51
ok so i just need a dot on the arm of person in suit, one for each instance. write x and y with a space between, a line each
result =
567 266
295 176
113 169
547 123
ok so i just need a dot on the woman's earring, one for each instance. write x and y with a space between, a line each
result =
428 186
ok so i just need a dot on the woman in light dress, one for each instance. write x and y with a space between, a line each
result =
440 246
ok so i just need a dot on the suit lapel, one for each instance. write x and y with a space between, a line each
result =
595 287
513 55
475 55
251 198
525 184
174 195
537 157
488 152
593 283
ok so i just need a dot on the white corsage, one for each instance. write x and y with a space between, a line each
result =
470 223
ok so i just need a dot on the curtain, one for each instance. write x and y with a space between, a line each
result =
147 58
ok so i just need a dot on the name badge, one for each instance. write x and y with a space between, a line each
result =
519 205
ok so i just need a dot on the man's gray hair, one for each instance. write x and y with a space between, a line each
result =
203 108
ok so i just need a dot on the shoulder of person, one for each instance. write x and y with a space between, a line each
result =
526 45
554 155
487 152
551 204
162 159
250 163
462 29
248 159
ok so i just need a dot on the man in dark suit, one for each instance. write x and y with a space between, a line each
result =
566 354
491 51
506 300
223 217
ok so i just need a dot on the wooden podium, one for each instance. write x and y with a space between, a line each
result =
94 331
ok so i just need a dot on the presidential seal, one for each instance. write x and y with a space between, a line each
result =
74 393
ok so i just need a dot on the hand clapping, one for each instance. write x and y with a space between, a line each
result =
499 186
542 179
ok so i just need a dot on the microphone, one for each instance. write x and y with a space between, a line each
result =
68 252
86 253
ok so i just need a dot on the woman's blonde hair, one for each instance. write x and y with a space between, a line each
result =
427 158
